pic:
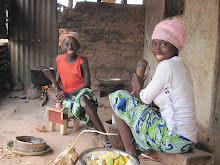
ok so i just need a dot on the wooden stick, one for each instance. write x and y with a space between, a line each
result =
69 154
92 131
141 67
45 99
52 94
49 75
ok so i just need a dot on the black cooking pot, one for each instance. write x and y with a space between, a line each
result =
38 77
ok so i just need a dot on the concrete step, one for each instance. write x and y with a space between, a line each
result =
195 157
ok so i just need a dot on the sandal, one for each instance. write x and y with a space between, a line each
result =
90 126
93 129
146 157
107 144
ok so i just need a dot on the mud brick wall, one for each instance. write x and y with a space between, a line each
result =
112 37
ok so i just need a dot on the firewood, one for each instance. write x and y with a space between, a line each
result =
45 99
141 67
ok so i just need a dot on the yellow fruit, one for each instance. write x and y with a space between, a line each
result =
116 162
126 158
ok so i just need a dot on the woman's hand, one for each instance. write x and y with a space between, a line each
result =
137 85
61 95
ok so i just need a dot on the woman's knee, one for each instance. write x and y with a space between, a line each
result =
65 111
83 101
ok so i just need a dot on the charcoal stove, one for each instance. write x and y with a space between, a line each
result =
106 90
109 85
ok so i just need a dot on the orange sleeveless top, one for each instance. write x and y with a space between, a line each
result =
70 74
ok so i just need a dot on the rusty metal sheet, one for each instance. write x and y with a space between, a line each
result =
33 39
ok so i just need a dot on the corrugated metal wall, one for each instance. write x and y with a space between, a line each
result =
33 36
3 31
4 66
4 58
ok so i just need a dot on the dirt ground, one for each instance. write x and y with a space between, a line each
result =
20 117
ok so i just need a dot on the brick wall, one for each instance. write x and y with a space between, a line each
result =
112 37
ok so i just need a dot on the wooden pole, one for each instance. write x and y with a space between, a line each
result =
70 4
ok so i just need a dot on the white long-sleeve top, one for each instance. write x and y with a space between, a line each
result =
171 89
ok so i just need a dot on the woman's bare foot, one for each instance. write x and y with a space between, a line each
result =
90 125
133 153
149 154
105 141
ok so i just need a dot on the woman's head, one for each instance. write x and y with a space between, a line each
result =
167 39
69 41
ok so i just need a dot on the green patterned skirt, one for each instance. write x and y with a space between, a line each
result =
149 129
73 105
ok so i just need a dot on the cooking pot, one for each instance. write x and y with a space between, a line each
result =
38 77
29 143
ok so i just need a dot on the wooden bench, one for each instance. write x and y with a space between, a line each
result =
194 157
56 116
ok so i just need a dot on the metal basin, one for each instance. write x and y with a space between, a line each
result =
111 81
84 154
29 143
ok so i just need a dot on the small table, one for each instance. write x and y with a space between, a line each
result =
56 116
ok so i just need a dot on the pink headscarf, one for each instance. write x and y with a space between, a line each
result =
171 31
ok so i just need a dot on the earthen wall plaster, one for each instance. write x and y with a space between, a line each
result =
112 37
201 21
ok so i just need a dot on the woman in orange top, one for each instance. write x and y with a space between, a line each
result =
78 100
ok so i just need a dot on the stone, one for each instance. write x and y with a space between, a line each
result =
19 86
34 92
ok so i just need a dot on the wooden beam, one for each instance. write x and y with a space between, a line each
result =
70 4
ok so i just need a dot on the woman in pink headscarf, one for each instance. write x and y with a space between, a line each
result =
173 128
